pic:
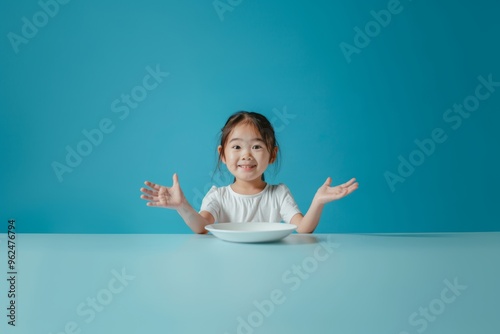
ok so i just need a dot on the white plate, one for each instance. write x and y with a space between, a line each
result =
250 232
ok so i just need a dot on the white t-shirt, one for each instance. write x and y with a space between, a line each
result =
273 204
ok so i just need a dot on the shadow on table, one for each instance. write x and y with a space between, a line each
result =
294 239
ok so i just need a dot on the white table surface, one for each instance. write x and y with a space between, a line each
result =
341 283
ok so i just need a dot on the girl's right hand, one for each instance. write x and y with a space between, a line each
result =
161 196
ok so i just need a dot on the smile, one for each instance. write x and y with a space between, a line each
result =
247 167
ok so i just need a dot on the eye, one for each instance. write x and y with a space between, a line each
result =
236 147
256 147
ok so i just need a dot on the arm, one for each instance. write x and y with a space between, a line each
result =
173 198
196 221
325 194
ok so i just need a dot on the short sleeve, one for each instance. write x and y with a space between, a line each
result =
211 203
288 207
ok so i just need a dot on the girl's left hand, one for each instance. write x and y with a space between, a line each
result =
327 194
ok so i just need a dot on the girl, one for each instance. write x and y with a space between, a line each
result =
247 147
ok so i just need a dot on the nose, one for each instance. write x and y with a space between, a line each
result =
247 155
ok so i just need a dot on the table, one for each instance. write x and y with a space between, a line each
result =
317 283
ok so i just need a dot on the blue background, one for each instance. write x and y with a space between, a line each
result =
345 118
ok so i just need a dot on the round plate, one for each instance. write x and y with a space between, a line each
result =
250 232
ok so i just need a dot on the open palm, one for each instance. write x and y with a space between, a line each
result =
327 194
162 196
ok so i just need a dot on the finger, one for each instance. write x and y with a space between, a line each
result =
352 187
149 192
175 178
154 204
152 185
328 181
354 184
348 183
147 198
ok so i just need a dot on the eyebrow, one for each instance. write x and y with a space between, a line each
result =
254 139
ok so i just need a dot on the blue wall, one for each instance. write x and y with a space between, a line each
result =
348 88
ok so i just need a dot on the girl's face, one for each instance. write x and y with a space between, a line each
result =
245 154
